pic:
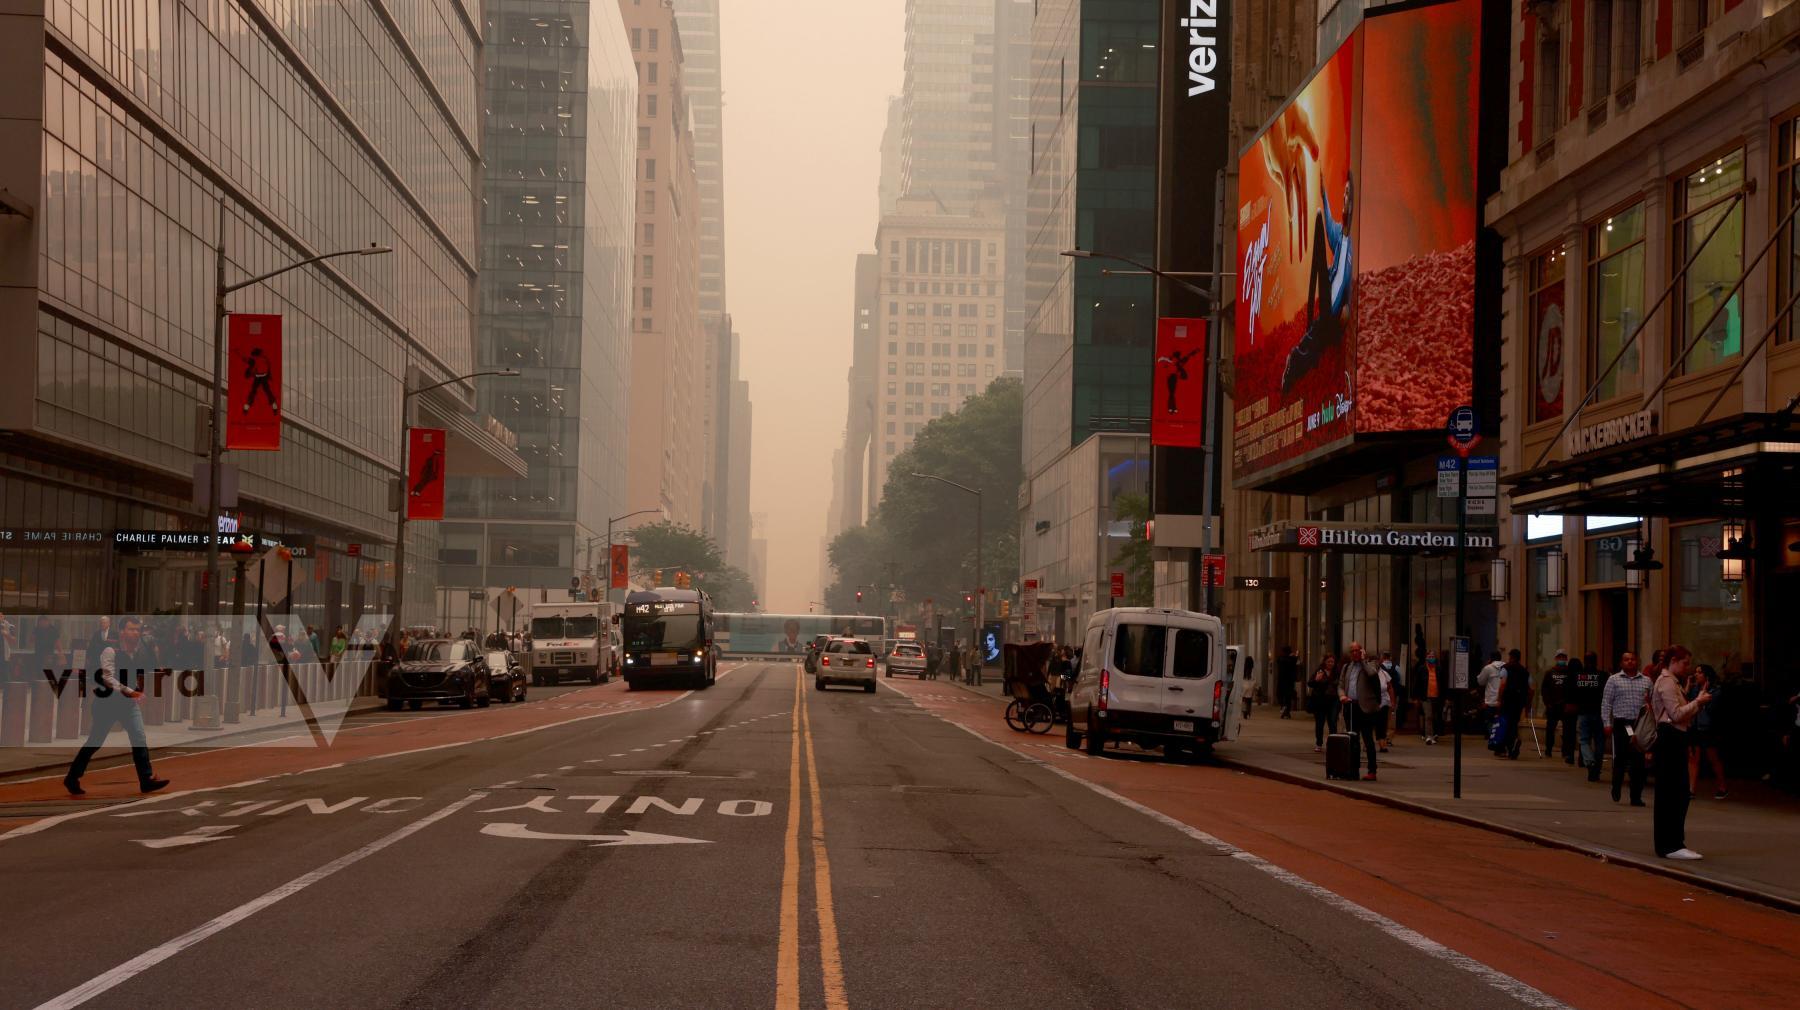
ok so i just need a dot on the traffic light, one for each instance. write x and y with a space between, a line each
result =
969 598
1005 608
859 596
658 577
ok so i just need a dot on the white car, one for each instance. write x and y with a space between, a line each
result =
907 657
1156 678
846 661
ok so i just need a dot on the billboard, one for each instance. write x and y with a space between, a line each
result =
1356 223
1177 415
253 382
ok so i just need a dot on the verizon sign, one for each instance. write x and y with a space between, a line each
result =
1202 24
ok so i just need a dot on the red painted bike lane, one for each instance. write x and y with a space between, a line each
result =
1581 930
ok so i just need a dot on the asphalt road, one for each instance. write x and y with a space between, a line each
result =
759 843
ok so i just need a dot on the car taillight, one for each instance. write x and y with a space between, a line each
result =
1218 697
871 662
824 660
1105 682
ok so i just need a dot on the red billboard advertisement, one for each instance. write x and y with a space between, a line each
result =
1415 240
253 382
1178 414
425 474
1356 244
1296 322
620 566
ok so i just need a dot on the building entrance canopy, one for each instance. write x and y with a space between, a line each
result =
1737 466
1291 536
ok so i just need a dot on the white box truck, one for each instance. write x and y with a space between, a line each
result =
573 641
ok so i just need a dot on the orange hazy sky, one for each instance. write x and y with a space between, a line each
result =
806 86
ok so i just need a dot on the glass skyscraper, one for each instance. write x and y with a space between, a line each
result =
558 208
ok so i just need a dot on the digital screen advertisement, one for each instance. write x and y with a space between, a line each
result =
1356 223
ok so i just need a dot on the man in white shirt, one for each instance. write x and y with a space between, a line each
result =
116 704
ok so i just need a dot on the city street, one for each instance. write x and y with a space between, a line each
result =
764 843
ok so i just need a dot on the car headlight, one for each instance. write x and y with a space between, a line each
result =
629 660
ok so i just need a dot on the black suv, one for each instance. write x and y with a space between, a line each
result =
440 669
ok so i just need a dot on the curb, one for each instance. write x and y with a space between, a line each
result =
1617 857
154 751
1605 855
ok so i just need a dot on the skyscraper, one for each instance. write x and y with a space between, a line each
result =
947 114
555 292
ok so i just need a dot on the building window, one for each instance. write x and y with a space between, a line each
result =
649 201
890 449
652 65
643 137
649 266
1702 199
1545 615
650 105
893 368
1706 612
1600 50
893 347
637 42
1693 17
653 37
891 389
649 234
1615 298
649 297
1787 247
1549 72
893 330
890 408
1628 42
649 168
1547 350
647 324
890 426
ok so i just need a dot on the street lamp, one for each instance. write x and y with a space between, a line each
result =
406 396
607 589
215 449
980 593
1210 440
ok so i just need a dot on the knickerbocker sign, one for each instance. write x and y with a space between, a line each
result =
1606 434
1365 538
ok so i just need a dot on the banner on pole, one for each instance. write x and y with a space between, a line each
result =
1177 414
253 384
620 568
425 474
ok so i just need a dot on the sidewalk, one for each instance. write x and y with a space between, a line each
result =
1749 839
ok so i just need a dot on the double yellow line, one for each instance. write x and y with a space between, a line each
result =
787 957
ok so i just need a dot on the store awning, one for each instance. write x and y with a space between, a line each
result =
1737 466
470 449
1293 536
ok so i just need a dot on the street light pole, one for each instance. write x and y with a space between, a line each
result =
980 594
609 540
1210 439
215 448
406 395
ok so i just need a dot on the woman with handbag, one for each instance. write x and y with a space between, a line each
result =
1671 716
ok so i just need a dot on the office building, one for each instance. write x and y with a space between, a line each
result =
669 460
118 180
555 300
947 105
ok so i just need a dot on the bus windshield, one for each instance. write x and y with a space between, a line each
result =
664 631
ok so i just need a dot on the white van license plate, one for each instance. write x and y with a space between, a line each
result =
1184 725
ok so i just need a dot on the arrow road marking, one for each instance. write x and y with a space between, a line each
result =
199 836
503 830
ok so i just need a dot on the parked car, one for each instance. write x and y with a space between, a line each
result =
1156 678
907 657
506 678
439 669
846 661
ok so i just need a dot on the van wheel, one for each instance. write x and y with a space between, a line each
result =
393 704
819 683
869 688
1071 739
1096 741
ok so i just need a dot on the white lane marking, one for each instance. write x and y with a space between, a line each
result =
637 750
507 830
157 955
618 755
1505 983
49 822
566 768
195 836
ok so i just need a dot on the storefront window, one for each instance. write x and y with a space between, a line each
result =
1606 557
1703 200
1707 613
1546 297
1787 248
1615 250
1545 614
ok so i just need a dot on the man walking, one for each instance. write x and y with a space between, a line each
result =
1557 710
1515 701
1287 674
1586 687
1490 680
1361 688
1620 704
116 704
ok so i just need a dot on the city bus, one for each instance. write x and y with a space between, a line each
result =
788 634
670 637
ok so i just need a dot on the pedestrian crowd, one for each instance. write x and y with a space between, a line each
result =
1666 722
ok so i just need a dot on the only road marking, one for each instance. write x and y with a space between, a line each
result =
628 838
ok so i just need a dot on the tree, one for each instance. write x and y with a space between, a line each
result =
670 547
920 537
1134 557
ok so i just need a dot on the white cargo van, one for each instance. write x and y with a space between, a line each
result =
1156 678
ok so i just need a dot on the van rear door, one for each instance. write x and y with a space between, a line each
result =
1187 694
1138 658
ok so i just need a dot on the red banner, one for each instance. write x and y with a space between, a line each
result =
1118 585
1213 565
1177 413
425 474
253 383
620 566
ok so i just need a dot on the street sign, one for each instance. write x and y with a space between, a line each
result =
1118 585
1447 471
1260 583
353 550
1213 567
1459 664
1479 506
1484 476
1463 430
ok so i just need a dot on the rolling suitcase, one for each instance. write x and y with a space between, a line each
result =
1343 753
